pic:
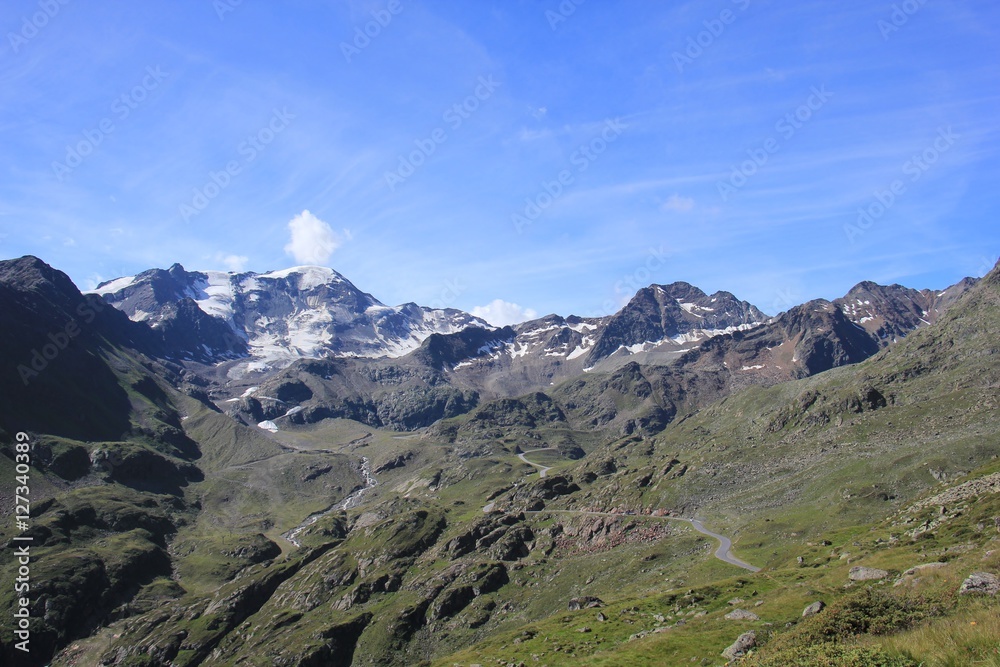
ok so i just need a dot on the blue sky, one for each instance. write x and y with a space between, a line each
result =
554 155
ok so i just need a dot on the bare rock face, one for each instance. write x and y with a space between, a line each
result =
867 574
813 609
741 646
980 583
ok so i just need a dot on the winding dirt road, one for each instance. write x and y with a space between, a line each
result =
723 553
542 470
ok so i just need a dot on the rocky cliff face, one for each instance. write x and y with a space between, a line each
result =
56 345
889 312
673 315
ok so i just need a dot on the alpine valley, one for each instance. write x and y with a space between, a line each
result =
280 469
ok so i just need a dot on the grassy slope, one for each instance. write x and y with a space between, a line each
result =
793 465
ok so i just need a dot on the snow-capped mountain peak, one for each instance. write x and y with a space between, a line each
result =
302 311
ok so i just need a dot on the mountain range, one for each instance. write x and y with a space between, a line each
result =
277 468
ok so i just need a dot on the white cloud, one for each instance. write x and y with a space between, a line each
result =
678 204
235 263
312 240
500 313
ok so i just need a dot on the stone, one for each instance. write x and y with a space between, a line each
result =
813 609
859 573
742 615
912 575
739 648
584 602
980 583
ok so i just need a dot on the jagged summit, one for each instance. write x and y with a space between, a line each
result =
676 316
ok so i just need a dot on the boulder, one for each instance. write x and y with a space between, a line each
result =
741 646
980 583
742 615
813 609
867 574
584 602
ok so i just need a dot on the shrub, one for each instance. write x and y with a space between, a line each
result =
819 639
830 655
867 612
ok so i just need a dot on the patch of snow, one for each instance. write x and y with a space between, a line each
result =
268 425
689 307
249 392
214 294
538 332
113 286
518 351
712 333
689 337
752 368
578 352
309 277
865 319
